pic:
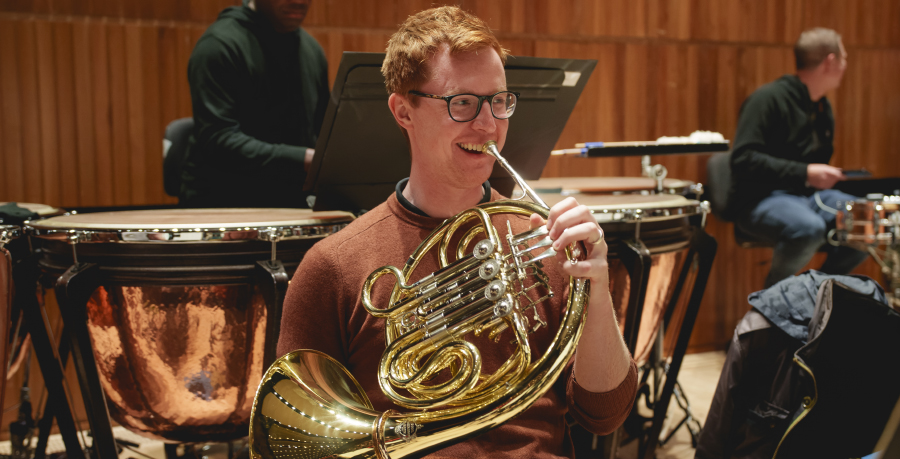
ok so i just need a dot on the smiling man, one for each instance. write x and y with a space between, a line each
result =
259 88
444 72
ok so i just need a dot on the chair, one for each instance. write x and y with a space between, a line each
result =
175 144
718 191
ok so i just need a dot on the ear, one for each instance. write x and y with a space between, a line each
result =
400 108
831 59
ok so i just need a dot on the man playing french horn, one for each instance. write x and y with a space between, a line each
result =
444 70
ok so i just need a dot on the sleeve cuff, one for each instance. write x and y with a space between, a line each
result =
798 171
295 155
602 412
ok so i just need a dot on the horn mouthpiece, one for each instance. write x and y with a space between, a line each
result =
490 148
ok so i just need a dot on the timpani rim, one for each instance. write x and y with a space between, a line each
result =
637 207
611 185
215 225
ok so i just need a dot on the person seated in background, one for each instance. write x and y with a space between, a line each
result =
445 75
259 88
783 143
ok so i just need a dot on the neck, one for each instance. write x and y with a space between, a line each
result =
440 201
813 84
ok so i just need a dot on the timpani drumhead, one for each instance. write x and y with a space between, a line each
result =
173 219
610 203
608 185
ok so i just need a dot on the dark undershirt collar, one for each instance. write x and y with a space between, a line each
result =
401 185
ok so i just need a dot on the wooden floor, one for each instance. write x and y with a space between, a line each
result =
699 376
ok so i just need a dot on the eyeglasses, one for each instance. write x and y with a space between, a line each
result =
466 107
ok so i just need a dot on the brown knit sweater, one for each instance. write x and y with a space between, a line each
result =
322 311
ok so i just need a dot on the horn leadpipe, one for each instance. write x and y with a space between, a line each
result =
490 148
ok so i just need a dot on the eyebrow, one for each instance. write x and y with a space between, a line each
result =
455 91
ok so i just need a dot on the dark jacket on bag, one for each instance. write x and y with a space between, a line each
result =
259 98
780 131
761 391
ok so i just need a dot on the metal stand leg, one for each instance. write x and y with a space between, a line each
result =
703 251
274 283
637 261
692 424
26 279
73 289
46 422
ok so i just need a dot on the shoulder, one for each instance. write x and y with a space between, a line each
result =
769 93
215 49
226 35
359 230
768 100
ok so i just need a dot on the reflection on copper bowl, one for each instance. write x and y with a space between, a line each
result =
179 363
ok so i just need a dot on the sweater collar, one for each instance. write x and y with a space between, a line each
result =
800 92
421 220
401 185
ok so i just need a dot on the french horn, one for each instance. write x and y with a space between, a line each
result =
309 406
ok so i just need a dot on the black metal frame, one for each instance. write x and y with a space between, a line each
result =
637 260
51 360
702 252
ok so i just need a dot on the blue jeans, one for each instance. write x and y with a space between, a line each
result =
798 226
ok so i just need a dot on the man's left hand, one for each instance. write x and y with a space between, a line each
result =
568 223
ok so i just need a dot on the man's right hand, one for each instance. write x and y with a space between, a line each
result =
823 176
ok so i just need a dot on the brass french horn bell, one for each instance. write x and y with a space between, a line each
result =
309 406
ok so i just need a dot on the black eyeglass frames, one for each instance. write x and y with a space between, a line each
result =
466 107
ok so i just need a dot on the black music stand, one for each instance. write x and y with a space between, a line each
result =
361 153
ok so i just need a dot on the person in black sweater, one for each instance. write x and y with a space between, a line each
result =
259 88
782 147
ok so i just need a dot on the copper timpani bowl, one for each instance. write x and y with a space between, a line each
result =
178 324
8 234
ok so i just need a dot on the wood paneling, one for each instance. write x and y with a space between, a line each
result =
88 86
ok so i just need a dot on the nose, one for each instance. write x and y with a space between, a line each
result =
485 120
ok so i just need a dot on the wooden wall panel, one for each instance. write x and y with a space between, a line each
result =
10 113
118 91
65 114
102 114
137 119
88 86
47 102
84 114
